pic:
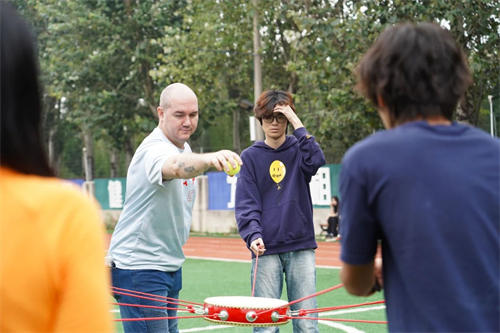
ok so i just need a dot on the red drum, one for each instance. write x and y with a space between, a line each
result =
246 311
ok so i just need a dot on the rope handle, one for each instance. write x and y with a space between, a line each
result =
255 273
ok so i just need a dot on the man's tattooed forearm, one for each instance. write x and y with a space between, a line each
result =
185 167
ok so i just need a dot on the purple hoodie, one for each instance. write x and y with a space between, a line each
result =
273 200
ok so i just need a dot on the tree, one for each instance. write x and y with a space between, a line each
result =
97 55
475 25
109 60
213 54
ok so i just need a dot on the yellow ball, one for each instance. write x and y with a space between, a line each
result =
232 171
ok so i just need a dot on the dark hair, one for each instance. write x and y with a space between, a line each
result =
336 207
417 69
268 100
21 145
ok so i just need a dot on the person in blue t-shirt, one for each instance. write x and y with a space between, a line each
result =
274 207
427 188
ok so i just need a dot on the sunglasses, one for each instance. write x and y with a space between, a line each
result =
280 118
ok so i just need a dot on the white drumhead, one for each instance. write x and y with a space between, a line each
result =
246 302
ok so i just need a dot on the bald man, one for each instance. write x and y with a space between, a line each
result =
146 247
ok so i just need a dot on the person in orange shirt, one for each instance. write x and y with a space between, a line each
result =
52 272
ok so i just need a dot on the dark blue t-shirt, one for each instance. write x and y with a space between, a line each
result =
431 194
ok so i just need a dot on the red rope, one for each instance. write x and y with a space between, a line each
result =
338 307
151 299
163 318
324 291
154 295
189 307
152 307
304 298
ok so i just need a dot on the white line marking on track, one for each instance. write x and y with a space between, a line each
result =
337 312
246 261
342 327
328 267
218 259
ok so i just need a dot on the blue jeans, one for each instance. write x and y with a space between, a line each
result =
299 268
166 284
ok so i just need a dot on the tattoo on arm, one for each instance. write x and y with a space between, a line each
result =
187 168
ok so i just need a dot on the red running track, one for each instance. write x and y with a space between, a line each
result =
327 253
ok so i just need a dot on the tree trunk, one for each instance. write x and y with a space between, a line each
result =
50 125
88 155
50 147
113 164
257 66
468 109
236 130
129 152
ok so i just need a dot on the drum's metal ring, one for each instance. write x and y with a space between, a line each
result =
250 308
235 323
251 316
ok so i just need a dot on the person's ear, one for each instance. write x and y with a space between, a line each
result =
383 112
380 101
160 112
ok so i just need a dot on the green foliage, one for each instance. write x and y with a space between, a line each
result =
475 25
211 52
104 64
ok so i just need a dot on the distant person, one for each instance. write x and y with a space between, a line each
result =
333 220
146 246
274 208
52 272
427 188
